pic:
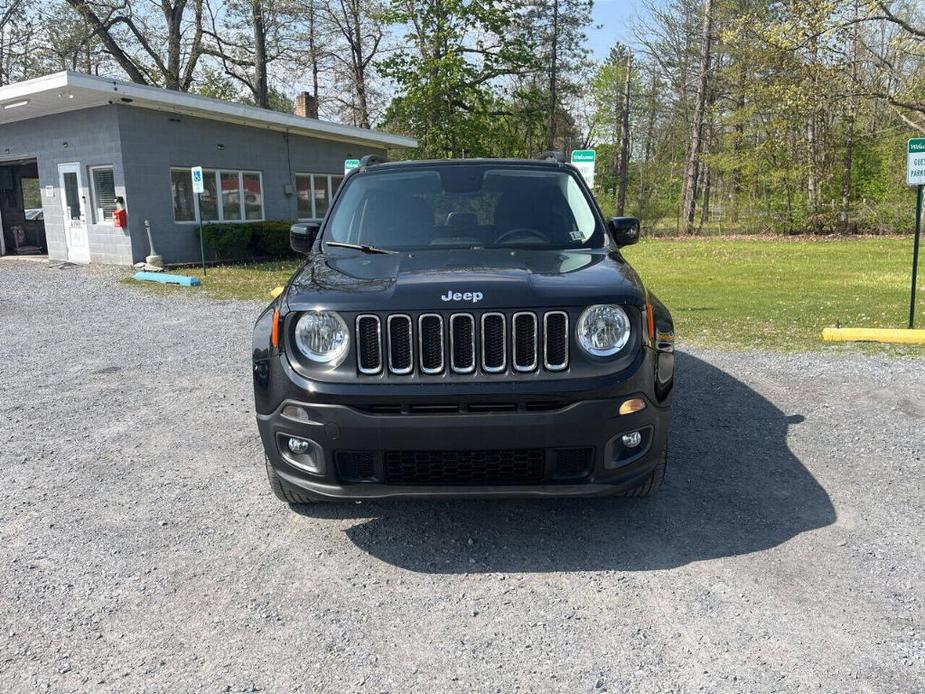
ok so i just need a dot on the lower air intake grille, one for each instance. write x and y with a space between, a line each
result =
572 463
357 466
513 466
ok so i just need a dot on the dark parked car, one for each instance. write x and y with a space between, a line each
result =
464 328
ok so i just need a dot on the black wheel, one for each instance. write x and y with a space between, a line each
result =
285 492
651 484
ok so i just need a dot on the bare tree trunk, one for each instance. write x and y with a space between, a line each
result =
692 165
812 143
644 185
622 174
313 48
261 88
845 215
553 78
173 17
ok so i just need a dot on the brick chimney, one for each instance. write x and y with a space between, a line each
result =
306 105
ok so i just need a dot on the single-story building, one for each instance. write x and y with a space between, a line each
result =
72 144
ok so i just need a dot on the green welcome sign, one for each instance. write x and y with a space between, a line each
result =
915 161
583 160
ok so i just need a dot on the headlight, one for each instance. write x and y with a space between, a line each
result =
322 336
603 330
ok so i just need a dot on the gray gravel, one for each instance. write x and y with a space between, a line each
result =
141 549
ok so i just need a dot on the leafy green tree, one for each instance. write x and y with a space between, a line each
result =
456 55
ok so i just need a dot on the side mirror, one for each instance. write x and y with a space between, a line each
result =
302 236
624 230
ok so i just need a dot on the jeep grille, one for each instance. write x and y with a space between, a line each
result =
462 343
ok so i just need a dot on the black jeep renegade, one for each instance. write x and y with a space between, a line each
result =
463 328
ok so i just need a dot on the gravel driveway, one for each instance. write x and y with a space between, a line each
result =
141 549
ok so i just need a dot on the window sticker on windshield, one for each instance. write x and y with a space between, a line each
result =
576 236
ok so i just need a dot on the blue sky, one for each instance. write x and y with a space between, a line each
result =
616 18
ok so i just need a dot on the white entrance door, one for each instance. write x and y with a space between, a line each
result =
75 213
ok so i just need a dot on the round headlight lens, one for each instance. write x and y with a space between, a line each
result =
603 330
322 336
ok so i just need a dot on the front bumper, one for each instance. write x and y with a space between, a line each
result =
340 423
592 427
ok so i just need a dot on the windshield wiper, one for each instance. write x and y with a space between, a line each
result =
365 247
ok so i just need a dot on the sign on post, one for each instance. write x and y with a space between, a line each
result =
915 176
583 160
350 165
199 189
198 185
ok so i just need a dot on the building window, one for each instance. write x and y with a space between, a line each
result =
208 199
253 196
228 196
103 186
181 183
314 193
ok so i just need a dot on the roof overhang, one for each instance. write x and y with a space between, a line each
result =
72 91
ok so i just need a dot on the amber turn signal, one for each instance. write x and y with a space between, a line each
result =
274 331
632 405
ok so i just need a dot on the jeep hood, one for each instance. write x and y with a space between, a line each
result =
506 278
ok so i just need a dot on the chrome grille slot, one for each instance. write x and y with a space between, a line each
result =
494 343
524 336
462 343
555 340
369 344
400 344
430 343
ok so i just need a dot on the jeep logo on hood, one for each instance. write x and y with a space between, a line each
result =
474 297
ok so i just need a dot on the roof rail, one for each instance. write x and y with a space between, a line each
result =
552 155
372 160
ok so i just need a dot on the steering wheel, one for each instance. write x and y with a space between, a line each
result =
522 232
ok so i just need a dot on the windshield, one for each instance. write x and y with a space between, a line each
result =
464 206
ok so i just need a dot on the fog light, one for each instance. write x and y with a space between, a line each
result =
632 405
631 440
299 446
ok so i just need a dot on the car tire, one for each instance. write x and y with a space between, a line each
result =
283 491
654 480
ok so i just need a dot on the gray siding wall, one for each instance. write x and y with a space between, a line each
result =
153 142
92 140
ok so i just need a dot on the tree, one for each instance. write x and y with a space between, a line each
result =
695 140
358 24
556 29
139 38
456 52
247 37
623 169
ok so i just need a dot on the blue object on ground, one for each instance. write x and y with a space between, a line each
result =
182 280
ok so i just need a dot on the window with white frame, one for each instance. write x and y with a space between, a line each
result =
314 193
103 188
228 196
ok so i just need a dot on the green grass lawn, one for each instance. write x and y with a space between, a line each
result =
775 294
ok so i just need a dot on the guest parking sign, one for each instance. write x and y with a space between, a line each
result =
915 162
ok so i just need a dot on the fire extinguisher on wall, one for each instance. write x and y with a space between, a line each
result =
119 215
